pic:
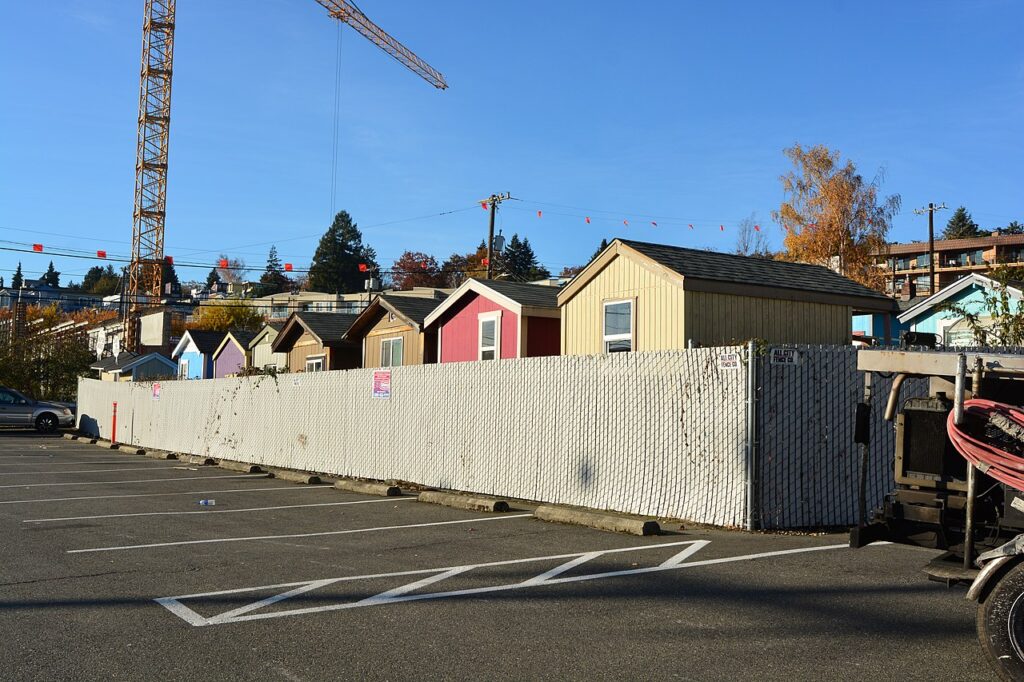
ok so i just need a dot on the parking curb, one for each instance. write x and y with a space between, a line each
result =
70 436
160 454
484 504
131 450
106 444
195 459
244 467
367 488
294 476
599 520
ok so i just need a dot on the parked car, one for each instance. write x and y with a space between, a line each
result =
19 410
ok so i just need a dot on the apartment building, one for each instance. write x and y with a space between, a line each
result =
954 259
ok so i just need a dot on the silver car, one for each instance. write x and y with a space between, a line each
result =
46 417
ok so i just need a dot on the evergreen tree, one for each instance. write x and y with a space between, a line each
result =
169 275
212 279
1 282
51 277
1015 227
602 247
519 261
273 280
18 280
335 267
961 226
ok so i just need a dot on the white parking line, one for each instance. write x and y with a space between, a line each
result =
294 535
220 511
81 471
400 594
294 489
146 480
136 460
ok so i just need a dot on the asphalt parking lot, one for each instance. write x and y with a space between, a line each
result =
111 569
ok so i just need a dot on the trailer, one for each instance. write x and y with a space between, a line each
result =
958 469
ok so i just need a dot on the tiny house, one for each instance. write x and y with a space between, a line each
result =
261 353
496 319
232 355
391 331
194 353
315 342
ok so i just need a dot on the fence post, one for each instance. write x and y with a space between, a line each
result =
751 445
113 426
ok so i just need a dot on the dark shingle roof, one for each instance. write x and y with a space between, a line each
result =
532 295
109 364
330 327
727 267
206 341
243 336
415 308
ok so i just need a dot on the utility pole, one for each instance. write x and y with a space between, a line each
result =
932 208
493 202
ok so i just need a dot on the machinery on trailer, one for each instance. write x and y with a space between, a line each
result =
959 480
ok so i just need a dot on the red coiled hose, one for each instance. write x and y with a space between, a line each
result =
1003 466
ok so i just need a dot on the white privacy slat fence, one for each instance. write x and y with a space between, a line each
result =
659 434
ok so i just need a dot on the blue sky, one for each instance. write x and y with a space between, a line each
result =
621 111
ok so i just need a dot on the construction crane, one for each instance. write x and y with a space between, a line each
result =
145 272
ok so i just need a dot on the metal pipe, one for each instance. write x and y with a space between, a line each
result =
751 436
958 389
972 475
862 496
894 397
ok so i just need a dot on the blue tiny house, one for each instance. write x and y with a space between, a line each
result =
194 353
933 315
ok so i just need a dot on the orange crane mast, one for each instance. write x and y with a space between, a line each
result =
145 272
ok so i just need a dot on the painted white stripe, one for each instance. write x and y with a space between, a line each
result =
562 568
295 535
145 480
173 603
294 489
219 511
138 460
411 587
82 471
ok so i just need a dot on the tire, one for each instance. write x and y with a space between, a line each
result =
47 422
1001 625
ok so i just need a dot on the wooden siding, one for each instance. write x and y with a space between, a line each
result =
306 345
412 341
460 329
658 309
721 319
262 355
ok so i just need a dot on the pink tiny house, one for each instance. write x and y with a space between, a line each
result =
495 319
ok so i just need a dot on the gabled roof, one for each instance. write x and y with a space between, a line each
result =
241 338
148 357
1015 289
206 341
267 329
110 363
519 297
327 328
730 273
412 310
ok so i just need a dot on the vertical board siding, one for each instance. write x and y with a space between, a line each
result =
714 319
658 309
650 433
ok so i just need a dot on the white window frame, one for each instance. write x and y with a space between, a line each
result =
390 343
183 368
314 360
495 316
605 337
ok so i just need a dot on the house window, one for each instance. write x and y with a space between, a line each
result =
315 363
489 344
391 352
618 326
183 369
279 311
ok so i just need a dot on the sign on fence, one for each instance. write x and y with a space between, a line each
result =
728 361
785 356
382 383
156 390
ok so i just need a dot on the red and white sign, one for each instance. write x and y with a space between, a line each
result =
156 390
382 383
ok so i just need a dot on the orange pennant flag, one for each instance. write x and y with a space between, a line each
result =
538 214
654 223
691 226
483 205
721 228
757 228
626 223
587 219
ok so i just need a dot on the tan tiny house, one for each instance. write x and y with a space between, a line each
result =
390 331
641 296
315 342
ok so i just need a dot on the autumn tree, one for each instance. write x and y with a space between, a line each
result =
227 315
750 240
833 216
415 269
335 267
961 225
458 267
234 272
